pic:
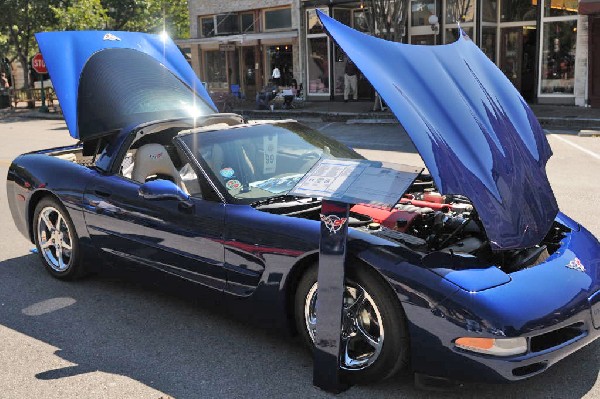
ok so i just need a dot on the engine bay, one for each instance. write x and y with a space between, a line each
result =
426 221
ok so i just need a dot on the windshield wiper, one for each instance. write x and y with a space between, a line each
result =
275 200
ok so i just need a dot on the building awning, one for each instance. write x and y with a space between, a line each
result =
240 38
587 7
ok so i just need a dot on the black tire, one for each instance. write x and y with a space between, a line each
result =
70 267
394 353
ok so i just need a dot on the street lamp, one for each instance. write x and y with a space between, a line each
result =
434 22
435 26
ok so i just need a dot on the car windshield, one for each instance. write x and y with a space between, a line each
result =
257 162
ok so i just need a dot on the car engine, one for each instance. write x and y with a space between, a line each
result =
426 221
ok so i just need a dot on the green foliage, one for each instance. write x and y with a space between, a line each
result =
81 15
149 16
21 19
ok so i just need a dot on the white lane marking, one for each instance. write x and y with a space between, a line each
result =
326 126
580 148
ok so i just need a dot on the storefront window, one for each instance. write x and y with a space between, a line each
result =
488 42
518 10
343 15
459 11
206 26
489 10
247 22
313 24
227 24
452 33
423 40
360 20
558 57
216 77
558 8
318 65
421 10
278 19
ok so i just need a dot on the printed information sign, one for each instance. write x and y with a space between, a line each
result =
356 181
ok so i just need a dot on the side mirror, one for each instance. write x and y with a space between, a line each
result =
163 189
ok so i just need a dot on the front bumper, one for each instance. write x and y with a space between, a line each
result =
555 306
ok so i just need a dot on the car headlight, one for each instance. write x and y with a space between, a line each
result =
493 346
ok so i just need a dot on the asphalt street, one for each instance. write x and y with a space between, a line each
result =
110 337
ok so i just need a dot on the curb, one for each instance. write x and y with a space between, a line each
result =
587 127
569 123
322 115
589 133
372 121
31 115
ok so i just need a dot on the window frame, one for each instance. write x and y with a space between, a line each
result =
264 19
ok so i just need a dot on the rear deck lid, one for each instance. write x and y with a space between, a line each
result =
105 81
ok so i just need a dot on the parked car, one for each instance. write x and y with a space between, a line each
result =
474 275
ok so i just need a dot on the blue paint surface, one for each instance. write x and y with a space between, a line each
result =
66 55
473 129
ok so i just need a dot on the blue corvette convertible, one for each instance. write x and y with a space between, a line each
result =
474 274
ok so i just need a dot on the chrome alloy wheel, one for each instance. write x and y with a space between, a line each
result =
362 328
55 239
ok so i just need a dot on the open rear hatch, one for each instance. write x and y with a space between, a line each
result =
106 81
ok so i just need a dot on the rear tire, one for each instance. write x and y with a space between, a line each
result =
375 341
56 240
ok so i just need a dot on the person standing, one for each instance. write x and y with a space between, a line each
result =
350 80
276 76
4 81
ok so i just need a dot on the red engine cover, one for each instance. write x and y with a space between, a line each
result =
394 219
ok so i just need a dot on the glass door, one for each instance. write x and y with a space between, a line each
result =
250 68
419 30
517 58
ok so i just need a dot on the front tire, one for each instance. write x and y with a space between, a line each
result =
56 240
374 333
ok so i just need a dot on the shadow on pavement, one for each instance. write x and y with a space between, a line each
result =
183 345
369 136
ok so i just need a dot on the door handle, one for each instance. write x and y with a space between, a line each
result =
102 192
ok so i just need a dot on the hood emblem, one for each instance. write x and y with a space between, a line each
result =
333 223
576 264
110 36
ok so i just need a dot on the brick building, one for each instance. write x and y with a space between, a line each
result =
239 43
545 47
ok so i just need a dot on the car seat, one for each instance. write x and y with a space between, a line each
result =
154 160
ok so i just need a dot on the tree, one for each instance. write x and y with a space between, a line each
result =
81 15
386 18
458 10
19 20
149 16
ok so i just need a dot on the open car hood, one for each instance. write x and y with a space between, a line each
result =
473 129
105 81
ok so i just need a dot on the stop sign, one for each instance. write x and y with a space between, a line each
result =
38 64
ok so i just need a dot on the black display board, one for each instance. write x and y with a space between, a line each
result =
341 182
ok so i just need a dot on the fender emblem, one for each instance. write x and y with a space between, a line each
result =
576 264
110 36
333 223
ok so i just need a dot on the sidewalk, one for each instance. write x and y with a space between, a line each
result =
559 117
550 116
